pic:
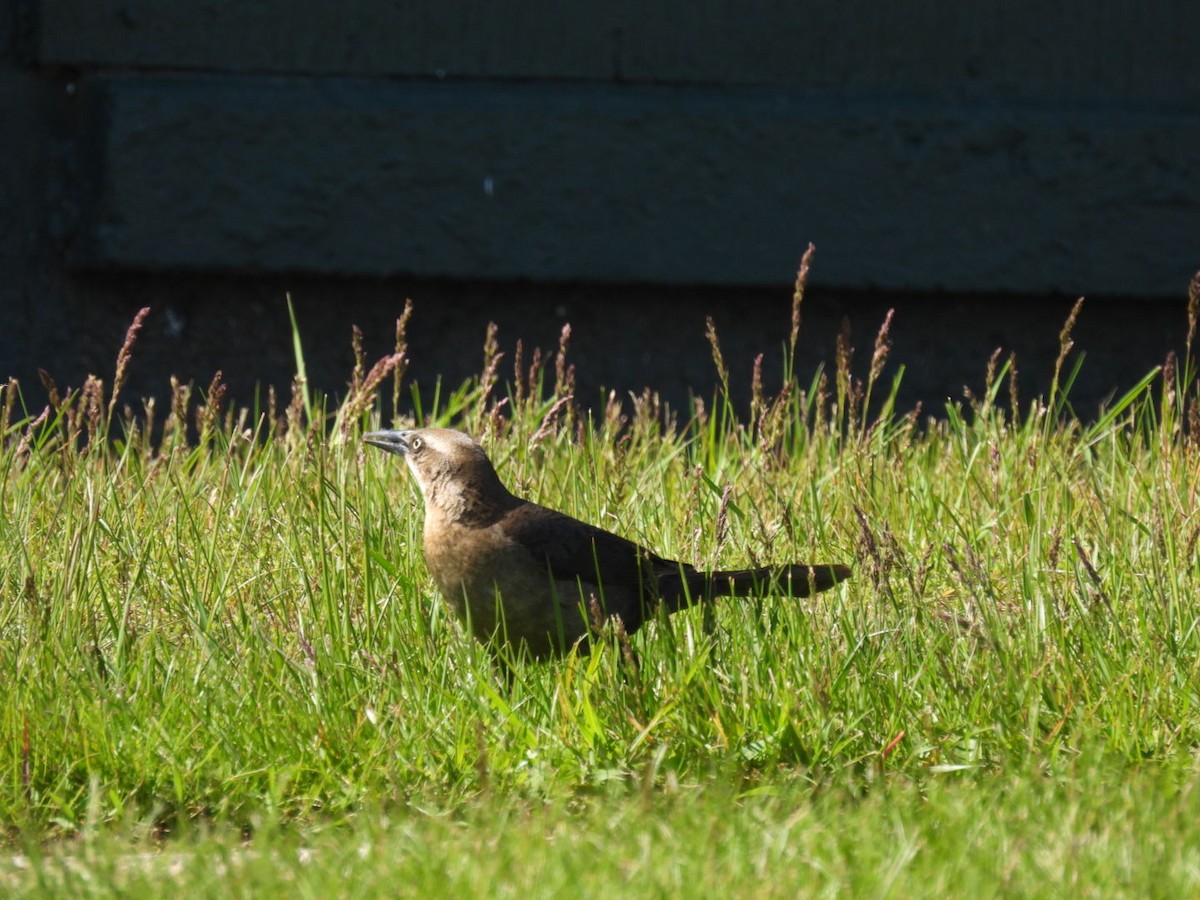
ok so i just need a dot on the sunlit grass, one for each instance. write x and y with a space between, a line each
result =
218 626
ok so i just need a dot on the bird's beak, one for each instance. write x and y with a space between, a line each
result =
391 441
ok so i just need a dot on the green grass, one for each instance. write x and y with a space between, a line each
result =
1023 834
222 653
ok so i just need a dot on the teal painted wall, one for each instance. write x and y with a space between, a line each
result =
189 153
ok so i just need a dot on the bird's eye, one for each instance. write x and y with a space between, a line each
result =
416 444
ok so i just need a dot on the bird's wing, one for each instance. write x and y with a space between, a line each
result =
574 550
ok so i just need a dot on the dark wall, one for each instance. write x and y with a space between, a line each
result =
974 166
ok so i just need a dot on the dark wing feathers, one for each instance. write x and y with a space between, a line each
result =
576 550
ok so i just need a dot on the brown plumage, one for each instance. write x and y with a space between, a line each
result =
523 574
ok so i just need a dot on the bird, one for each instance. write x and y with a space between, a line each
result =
528 578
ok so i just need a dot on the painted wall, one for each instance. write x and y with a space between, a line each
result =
997 148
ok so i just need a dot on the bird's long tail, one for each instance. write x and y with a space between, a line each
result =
788 581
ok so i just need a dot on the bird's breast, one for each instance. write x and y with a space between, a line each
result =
480 572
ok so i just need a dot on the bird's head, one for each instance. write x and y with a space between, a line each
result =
454 474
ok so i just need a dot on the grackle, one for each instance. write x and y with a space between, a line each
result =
527 576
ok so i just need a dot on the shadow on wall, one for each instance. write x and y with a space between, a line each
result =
622 338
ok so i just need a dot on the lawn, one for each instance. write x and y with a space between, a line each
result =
227 671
